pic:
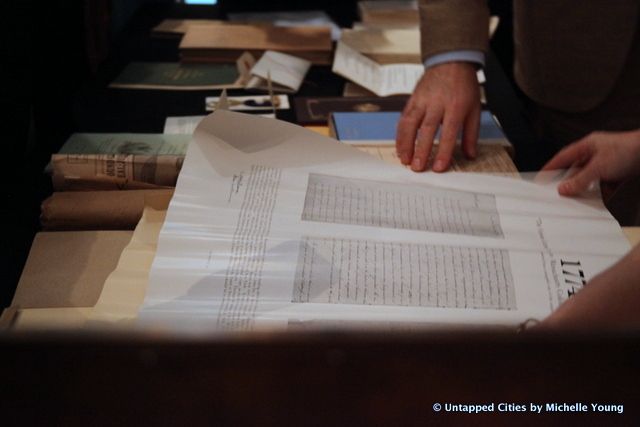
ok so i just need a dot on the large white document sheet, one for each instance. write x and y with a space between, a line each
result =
272 225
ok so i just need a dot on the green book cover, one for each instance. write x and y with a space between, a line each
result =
176 76
148 144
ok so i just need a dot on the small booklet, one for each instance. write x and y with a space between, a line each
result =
118 161
383 80
285 71
386 46
176 76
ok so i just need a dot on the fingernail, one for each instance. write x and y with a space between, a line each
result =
564 187
417 164
439 165
403 158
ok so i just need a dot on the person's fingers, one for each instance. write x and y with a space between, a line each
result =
470 133
408 125
424 143
569 155
448 135
580 181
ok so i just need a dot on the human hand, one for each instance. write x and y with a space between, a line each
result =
605 156
608 301
449 94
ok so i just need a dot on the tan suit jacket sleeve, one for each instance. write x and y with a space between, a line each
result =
570 54
447 25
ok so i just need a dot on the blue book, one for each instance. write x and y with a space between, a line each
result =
379 128
376 128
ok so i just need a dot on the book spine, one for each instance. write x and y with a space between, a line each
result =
131 171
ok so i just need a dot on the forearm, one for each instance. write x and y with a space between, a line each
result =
635 143
611 300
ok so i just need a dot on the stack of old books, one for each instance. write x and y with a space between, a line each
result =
225 43
389 12
90 166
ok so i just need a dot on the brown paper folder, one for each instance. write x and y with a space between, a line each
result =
226 43
68 269
96 210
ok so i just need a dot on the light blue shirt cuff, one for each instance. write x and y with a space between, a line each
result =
475 56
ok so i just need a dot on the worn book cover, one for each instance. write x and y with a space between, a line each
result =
149 144
176 76
103 161
389 12
114 171
315 110
226 43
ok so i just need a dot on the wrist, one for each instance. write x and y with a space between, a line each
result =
635 138
474 57
463 73
634 141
